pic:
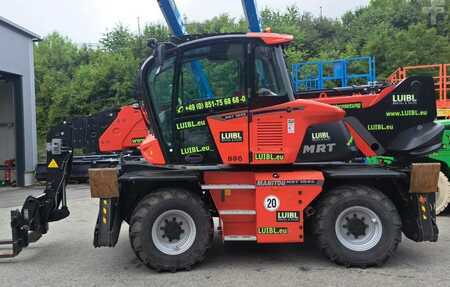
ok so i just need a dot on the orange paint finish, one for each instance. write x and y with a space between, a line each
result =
366 100
294 191
299 190
272 38
236 199
277 132
151 151
128 130
230 133
240 225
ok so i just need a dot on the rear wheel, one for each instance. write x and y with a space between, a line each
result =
443 194
357 226
170 230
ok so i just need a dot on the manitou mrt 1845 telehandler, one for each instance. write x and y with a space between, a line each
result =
260 160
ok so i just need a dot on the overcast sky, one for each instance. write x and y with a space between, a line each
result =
84 21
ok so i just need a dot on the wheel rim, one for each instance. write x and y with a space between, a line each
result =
442 196
358 228
173 232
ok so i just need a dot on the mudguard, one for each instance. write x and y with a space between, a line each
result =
419 218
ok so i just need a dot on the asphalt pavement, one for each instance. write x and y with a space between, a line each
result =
66 257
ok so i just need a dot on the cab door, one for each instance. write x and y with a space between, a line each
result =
270 125
210 81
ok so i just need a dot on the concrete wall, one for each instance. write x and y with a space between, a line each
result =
16 57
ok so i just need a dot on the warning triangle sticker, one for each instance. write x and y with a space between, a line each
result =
53 164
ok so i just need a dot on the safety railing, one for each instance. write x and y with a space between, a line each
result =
318 75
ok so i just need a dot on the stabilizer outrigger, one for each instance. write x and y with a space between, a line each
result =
31 222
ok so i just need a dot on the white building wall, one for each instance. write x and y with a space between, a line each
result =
16 57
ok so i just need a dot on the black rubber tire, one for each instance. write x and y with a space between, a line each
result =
341 198
146 212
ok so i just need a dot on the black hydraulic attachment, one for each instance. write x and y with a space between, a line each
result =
419 218
29 223
108 224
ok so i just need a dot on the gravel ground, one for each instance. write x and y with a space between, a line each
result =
66 257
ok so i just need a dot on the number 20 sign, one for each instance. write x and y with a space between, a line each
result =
271 203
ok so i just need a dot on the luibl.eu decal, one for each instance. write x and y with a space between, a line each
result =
407 113
269 156
190 124
288 216
272 230
404 99
194 149
380 127
231 137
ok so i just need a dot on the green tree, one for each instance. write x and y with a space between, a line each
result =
56 59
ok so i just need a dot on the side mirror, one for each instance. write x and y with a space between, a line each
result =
160 54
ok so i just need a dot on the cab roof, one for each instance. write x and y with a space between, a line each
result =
272 38
267 38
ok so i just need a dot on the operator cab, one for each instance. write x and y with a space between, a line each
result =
190 79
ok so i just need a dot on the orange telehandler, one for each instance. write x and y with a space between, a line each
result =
262 161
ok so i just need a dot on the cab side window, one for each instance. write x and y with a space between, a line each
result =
268 79
162 88
269 88
212 78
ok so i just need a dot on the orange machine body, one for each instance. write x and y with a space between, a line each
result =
127 131
264 206
271 135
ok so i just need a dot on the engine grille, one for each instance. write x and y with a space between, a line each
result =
269 134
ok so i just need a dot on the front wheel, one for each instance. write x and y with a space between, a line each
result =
357 226
170 230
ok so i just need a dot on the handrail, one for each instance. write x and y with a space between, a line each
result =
441 78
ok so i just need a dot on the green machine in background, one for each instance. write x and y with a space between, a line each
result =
443 157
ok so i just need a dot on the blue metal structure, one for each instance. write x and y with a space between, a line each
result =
252 15
336 73
177 27
173 17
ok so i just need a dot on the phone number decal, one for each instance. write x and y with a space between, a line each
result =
211 104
